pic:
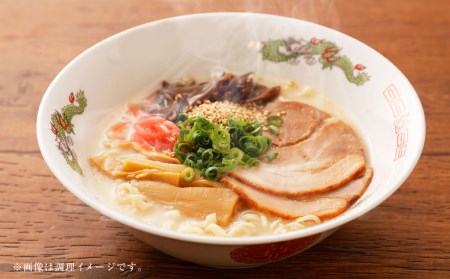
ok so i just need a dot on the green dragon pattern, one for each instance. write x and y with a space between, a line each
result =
323 51
61 125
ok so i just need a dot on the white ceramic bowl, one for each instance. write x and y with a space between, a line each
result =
365 85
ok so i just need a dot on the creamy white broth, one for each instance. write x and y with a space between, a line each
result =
246 222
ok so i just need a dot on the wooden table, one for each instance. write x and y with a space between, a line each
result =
408 236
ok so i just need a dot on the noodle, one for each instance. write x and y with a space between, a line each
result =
127 194
248 222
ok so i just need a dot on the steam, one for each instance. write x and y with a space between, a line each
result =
213 57
323 12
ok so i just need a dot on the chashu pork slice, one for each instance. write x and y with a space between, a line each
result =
332 156
333 141
300 121
325 206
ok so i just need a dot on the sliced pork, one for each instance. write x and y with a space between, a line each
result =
333 141
299 122
330 157
324 206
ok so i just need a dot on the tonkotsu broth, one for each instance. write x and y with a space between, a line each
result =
247 220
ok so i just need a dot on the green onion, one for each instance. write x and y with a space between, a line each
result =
220 139
254 146
274 120
271 155
239 128
212 173
210 154
182 135
200 151
191 160
182 150
214 151
226 165
274 129
201 138
236 153
230 161
188 174
253 162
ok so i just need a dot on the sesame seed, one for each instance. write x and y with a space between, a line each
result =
219 112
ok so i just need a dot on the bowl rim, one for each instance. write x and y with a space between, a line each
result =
334 223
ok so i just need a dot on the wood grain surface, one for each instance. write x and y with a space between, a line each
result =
408 236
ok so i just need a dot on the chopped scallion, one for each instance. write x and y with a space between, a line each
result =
274 120
212 173
274 129
214 150
188 174
236 153
271 155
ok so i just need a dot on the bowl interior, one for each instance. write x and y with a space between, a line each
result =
381 104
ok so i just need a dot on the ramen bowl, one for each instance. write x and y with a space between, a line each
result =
369 90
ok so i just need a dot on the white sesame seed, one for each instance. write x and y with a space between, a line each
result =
219 112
